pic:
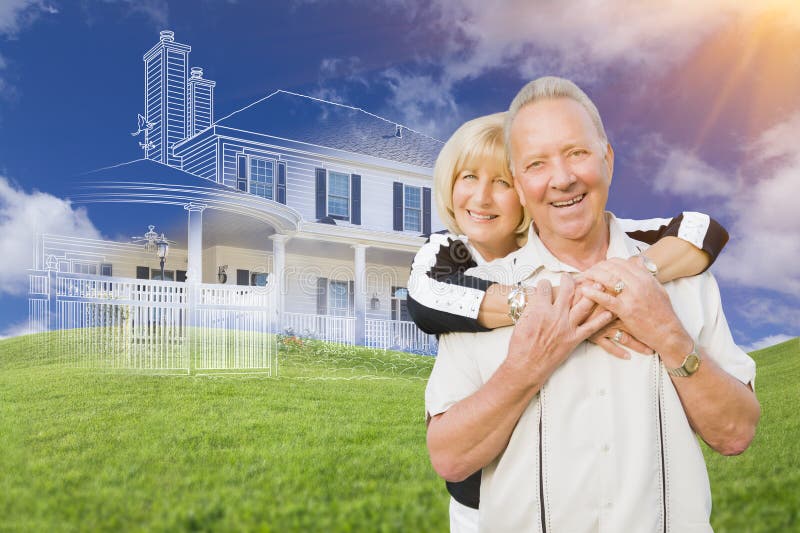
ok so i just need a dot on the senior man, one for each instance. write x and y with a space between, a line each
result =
569 438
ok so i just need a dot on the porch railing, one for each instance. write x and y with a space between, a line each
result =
398 335
323 327
165 325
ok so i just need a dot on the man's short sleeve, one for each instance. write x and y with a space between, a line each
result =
716 338
455 374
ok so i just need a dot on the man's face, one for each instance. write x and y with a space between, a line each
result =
562 168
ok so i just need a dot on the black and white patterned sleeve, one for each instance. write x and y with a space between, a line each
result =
441 297
695 228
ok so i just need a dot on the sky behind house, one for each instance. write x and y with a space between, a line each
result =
701 101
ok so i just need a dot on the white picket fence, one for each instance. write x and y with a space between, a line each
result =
171 326
155 325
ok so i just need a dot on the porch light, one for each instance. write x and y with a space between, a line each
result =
374 303
222 274
162 249
52 263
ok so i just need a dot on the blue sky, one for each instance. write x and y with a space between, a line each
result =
701 102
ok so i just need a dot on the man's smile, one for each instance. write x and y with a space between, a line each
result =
571 201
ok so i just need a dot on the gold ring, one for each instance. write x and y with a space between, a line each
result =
619 286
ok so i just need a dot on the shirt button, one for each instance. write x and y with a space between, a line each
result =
609 505
601 392
605 448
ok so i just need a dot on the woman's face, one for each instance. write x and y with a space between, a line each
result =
487 209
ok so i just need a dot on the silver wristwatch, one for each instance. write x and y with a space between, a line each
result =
517 300
690 365
649 265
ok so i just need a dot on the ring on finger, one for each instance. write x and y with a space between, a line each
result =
619 286
618 336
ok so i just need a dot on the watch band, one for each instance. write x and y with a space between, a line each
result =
691 363
517 300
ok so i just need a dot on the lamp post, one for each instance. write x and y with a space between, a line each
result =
162 249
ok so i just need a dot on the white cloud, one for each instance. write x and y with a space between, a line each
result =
578 39
426 103
22 217
337 78
15 15
683 173
761 201
155 10
20 328
766 342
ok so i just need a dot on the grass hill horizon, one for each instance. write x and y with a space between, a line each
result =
335 443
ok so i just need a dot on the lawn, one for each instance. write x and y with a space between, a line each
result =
336 443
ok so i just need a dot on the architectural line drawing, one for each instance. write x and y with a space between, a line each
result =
302 217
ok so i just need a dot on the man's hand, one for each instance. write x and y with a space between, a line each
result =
641 304
613 337
720 408
548 331
475 430
616 334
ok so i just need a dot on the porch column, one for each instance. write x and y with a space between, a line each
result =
194 267
194 270
278 278
360 292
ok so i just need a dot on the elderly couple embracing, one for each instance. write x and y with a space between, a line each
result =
580 355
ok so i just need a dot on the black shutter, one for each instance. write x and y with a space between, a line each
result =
242 277
351 298
281 182
426 210
355 199
180 275
241 173
322 195
398 206
322 296
142 272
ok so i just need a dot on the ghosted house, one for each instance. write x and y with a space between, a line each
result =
302 212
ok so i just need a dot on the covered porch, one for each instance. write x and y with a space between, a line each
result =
250 267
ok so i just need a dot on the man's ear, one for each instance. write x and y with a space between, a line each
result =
609 158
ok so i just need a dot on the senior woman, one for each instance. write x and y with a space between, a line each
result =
475 197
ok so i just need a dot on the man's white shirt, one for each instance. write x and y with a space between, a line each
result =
616 452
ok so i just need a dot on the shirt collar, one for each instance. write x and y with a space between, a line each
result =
535 254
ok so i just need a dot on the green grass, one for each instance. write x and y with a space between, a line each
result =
83 450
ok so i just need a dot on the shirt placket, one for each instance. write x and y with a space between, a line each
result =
606 447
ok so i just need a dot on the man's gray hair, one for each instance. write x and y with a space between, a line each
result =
544 88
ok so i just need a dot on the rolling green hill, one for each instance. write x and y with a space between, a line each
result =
337 443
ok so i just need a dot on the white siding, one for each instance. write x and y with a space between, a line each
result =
376 184
202 160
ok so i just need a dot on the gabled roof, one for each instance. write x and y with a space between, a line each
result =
319 122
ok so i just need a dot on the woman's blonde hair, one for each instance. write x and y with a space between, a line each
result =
477 142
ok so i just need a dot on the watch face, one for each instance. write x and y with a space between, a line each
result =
692 363
649 265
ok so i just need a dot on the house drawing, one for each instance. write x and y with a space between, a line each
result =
300 215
